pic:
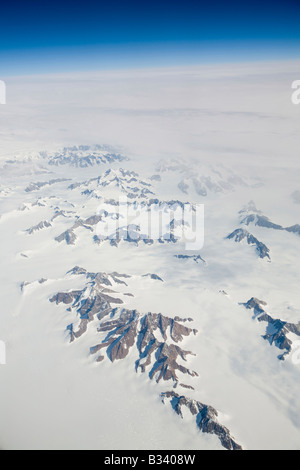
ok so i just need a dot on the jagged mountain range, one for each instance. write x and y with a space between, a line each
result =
241 234
206 417
77 156
250 215
155 337
110 224
158 345
171 221
125 328
83 156
40 184
125 181
196 258
39 226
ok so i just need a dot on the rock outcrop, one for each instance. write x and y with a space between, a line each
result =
241 234
277 331
38 227
154 336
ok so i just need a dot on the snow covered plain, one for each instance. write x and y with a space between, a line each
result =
225 137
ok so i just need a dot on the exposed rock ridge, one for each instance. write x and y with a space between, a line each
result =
277 330
150 339
241 234
206 418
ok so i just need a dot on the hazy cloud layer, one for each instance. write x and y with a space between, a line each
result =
226 110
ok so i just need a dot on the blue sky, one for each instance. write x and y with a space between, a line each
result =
49 36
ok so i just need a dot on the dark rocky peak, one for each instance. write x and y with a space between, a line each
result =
241 234
277 330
